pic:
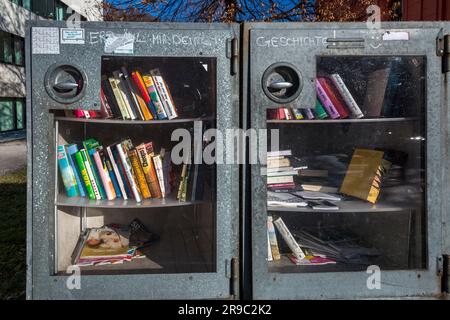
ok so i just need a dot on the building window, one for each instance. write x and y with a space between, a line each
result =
23 3
12 114
11 49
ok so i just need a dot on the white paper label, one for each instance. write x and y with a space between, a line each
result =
396 36
72 36
122 43
45 40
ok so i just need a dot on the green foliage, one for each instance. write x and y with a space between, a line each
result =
13 235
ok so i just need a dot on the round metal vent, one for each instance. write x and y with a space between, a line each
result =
65 83
282 82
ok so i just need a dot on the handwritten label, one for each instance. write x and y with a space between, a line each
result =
274 42
156 38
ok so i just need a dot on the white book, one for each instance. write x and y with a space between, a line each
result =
269 249
282 173
279 153
120 81
157 161
347 96
117 173
129 172
315 195
164 94
289 238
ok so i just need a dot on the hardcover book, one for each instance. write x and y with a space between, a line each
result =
67 174
334 97
325 101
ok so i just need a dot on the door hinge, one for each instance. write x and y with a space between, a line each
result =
440 266
231 272
443 50
233 54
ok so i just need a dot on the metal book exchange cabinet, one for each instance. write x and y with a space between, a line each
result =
345 195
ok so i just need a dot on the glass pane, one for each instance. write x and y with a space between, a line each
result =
6 46
176 212
19 51
6 115
26 4
20 114
348 179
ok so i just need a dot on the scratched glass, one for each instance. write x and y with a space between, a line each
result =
348 181
179 233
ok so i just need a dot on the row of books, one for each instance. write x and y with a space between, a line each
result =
112 244
335 101
118 171
135 96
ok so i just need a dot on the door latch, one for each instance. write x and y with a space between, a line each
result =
233 54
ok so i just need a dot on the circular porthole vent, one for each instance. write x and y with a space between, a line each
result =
282 82
65 83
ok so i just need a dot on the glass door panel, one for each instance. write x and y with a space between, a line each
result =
346 178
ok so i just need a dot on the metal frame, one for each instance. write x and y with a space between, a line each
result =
348 284
41 284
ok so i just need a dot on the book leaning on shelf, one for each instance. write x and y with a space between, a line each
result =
134 95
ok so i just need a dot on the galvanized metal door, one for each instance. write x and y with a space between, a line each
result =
284 61
181 49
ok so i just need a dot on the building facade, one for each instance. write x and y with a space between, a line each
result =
13 16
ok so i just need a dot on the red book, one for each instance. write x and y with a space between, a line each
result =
93 113
79 113
281 114
334 97
137 79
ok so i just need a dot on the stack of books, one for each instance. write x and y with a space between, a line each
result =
120 170
112 244
280 173
133 96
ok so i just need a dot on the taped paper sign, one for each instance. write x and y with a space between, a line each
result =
72 36
395 36
122 44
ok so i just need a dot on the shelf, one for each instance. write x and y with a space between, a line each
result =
63 200
133 122
350 206
373 120
284 265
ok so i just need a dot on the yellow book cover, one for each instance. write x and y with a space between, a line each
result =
363 177
140 176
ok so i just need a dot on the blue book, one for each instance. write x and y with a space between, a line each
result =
67 174
71 149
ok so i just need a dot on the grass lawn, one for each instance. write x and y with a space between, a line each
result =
12 235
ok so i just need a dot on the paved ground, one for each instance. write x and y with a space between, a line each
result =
13 156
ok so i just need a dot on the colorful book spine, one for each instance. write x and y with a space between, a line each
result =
120 188
289 238
325 100
121 85
139 82
145 152
128 85
319 111
287 114
139 174
79 113
123 153
347 96
164 94
157 161
90 172
155 97
181 186
104 176
333 95
139 100
85 175
123 175
109 95
71 150
273 239
297 114
90 145
67 174
166 166
119 99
